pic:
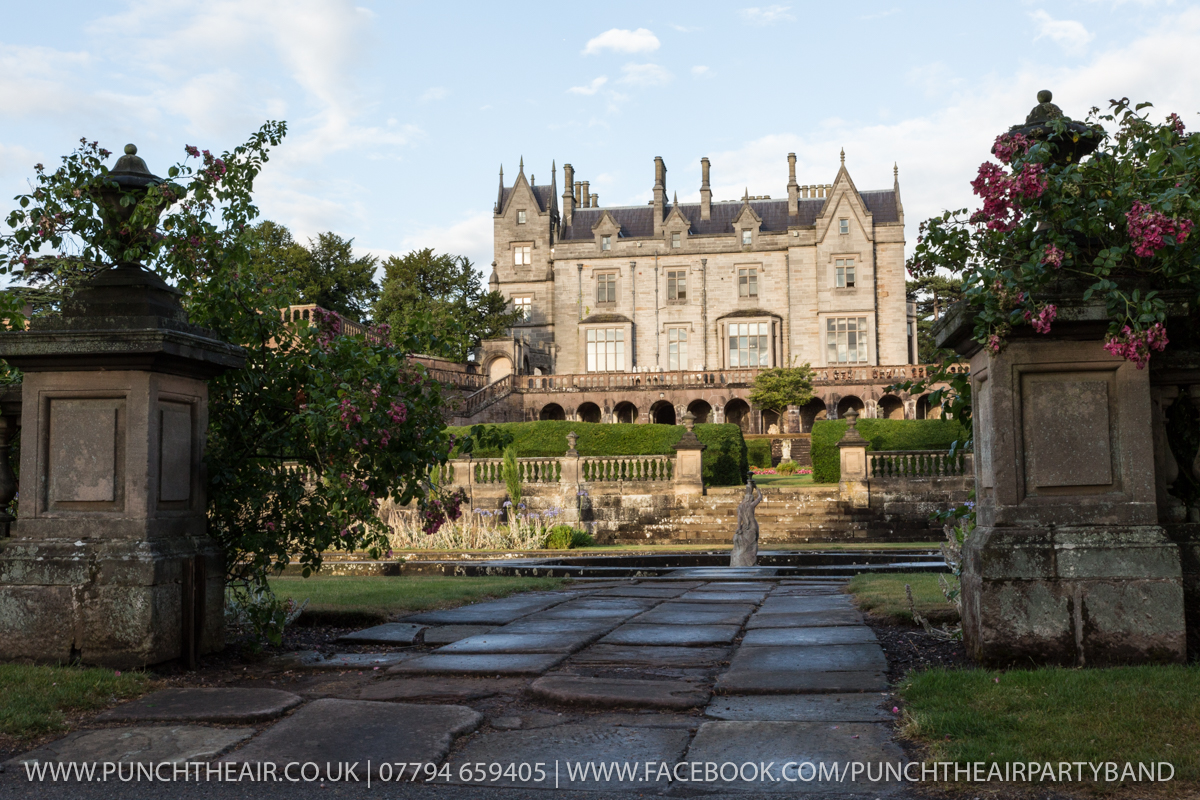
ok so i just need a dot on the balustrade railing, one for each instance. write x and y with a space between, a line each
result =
627 468
473 403
923 464
711 377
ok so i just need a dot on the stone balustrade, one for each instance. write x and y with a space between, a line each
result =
917 464
641 469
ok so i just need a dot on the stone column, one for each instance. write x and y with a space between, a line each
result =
853 486
1068 564
569 479
689 453
109 562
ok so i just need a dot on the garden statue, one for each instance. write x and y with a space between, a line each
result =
745 538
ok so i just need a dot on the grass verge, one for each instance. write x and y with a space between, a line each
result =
1128 714
783 480
884 596
36 700
353 599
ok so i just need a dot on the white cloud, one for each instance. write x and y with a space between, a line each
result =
622 41
435 93
701 71
591 88
645 75
1072 35
767 15
470 237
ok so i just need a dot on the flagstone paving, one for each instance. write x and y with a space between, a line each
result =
205 705
740 668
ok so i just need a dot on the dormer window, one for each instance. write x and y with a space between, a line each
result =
675 240
747 236
521 217
606 243
844 227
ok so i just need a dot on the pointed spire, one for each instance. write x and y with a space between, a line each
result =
746 196
521 170
675 200
896 171
843 156
554 187
500 193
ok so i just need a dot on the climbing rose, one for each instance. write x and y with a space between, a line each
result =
1053 256
1147 228
1010 145
1041 322
1136 346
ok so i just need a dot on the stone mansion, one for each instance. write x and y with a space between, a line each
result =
641 313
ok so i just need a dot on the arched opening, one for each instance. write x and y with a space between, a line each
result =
553 411
500 367
737 412
848 402
701 410
770 418
525 369
926 410
891 407
662 413
588 412
626 412
810 412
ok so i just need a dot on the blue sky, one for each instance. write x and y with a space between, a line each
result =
401 113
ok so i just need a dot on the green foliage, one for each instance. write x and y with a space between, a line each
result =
883 434
933 294
255 616
440 299
318 427
395 596
1113 227
776 389
883 594
787 468
758 453
564 537
511 472
723 462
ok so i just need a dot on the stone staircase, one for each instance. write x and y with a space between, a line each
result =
787 514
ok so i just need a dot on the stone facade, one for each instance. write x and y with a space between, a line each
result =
628 296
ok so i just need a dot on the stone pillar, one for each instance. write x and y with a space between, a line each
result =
569 479
792 418
852 450
689 453
1068 564
109 562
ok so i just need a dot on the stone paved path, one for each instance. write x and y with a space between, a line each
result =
605 674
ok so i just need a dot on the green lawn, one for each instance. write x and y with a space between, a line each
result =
1128 714
783 480
391 596
425 555
36 700
884 596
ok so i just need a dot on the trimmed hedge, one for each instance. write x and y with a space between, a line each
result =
724 462
758 453
883 434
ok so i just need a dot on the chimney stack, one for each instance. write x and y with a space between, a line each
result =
578 194
595 201
705 191
568 196
660 193
587 199
793 187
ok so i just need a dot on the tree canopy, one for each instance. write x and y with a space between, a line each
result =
439 300
776 389
326 272
933 294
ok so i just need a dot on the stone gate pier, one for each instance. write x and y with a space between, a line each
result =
109 561
1069 563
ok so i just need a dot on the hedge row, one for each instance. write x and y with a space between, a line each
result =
758 453
724 461
883 434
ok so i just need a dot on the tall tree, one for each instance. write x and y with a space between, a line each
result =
776 389
326 272
933 294
440 299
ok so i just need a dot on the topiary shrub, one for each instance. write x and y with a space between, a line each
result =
883 434
564 537
758 453
724 461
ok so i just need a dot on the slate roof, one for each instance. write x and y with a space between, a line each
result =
638 221
543 194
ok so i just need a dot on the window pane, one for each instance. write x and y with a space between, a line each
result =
753 283
850 276
591 356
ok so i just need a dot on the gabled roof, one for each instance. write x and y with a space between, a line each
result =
638 221
544 195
